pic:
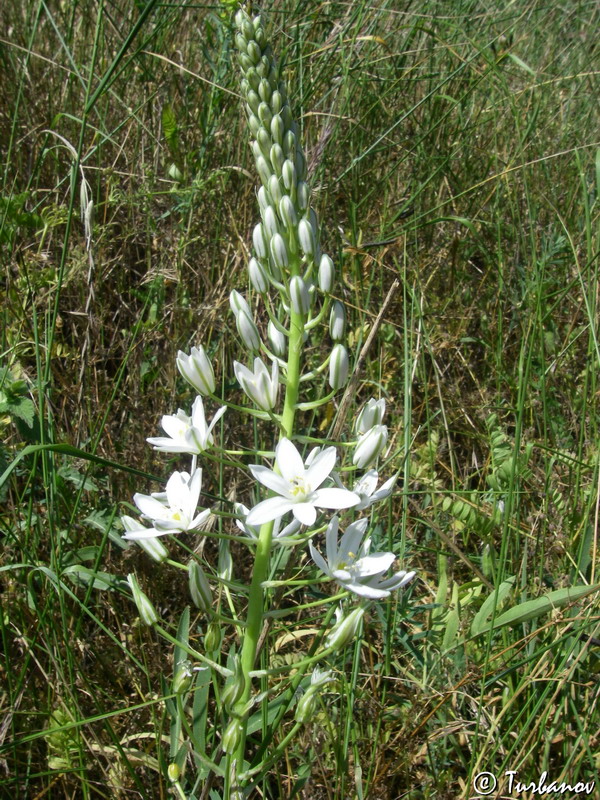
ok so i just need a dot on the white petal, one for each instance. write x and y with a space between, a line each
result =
331 541
318 559
397 581
175 425
198 418
364 590
335 498
375 564
270 479
216 418
351 540
289 460
321 467
305 512
164 445
367 484
149 506
269 509
197 522
195 486
177 491
146 533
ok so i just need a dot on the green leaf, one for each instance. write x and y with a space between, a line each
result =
21 407
84 576
520 63
71 474
487 607
170 130
531 609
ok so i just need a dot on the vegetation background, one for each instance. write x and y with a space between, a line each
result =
451 145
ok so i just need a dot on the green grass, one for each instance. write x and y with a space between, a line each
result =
453 146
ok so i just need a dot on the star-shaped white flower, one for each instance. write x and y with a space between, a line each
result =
351 566
187 434
174 510
366 489
297 486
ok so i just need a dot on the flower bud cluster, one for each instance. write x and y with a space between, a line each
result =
287 253
288 233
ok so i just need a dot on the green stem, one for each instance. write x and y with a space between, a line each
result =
254 617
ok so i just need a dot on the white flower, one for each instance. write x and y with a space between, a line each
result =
258 385
174 510
297 487
350 564
366 486
186 434
197 370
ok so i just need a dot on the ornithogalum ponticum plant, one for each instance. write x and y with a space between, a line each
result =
311 507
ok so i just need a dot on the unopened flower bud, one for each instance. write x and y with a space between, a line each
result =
244 61
276 106
253 101
306 236
263 169
288 212
258 277
237 303
225 562
270 224
232 736
197 370
264 201
299 296
212 639
338 367
254 123
173 772
279 251
369 446
234 687
345 629
306 707
183 678
300 164
248 331
277 158
254 53
277 129
264 90
337 321
154 548
308 702
260 387
288 173
240 42
275 189
371 414
303 195
145 608
200 590
326 273
289 145
260 241
277 340
264 144
264 112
